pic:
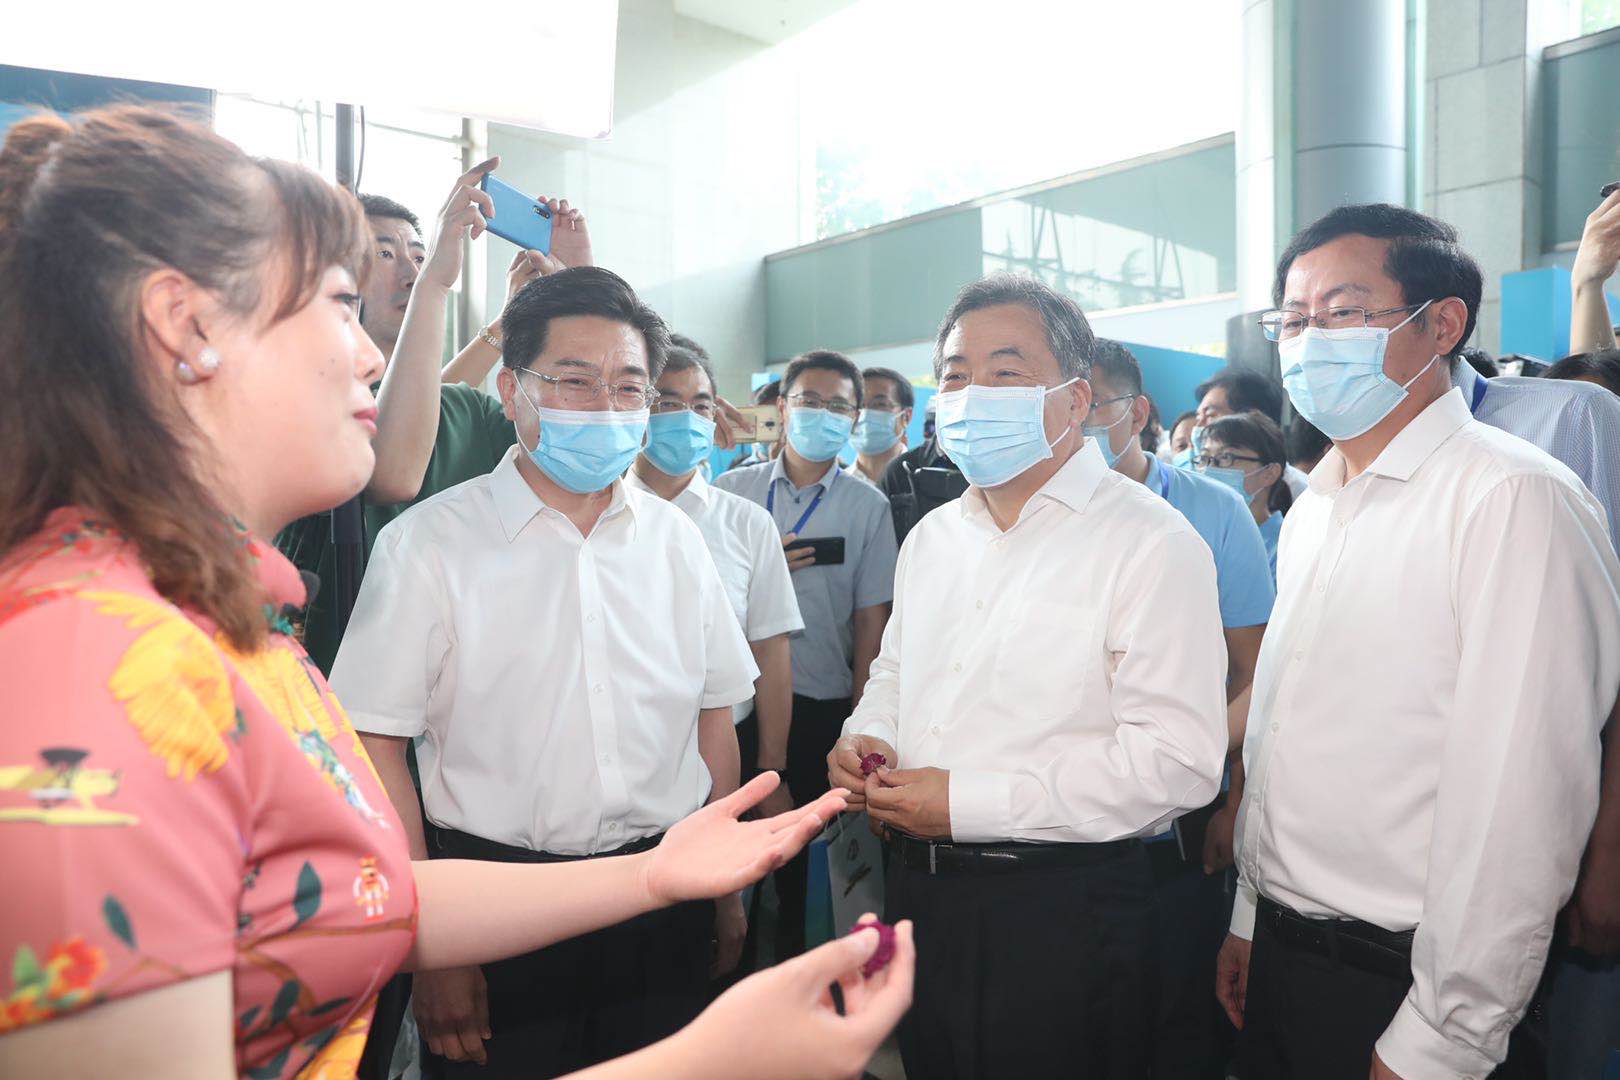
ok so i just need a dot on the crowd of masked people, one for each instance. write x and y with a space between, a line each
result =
1275 740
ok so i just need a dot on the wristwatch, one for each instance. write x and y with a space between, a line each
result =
490 339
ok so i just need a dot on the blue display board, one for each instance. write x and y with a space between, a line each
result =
1536 313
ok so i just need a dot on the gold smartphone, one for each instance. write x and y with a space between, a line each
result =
760 424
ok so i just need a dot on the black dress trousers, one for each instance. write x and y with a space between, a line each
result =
1030 973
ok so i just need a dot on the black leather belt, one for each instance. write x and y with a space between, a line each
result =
943 857
1350 942
453 844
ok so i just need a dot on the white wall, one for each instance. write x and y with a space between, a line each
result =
698 181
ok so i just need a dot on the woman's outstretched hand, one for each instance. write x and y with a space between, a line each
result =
713 852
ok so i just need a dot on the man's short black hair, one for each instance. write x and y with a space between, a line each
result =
1068 334
768 393
381 206
1423 257
1118 365
680 358
1305 442
825 360
1246 391
1481 361
1602 365
905 396
681 341
579 290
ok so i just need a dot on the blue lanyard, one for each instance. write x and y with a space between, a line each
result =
1164 480
1479 393
770 506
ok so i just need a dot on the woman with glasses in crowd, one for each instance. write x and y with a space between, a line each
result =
205 877
1245 452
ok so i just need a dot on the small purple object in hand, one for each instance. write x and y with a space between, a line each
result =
885 949
872 762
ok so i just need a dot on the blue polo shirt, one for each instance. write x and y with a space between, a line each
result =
1243 572
1270 529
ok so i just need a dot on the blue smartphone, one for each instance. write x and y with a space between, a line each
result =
524 221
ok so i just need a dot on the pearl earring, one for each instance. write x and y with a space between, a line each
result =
193 373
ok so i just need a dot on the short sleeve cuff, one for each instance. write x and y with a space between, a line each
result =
729 696
772 629
1244 903
1416 1051
368 723
981 806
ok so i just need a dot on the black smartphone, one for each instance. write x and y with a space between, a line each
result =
1609 189
829 550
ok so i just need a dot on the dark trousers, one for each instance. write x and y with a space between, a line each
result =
1308 1015
590 998
1030 973
817 724
1192 1038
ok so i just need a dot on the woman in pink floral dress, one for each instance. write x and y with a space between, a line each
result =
204 875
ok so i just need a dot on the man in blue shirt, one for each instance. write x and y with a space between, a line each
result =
1189 1033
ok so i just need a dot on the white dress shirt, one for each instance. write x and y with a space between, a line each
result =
1422 748
747 552
556 678
1069 672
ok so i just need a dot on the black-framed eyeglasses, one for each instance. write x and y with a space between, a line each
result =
1224 459
1280 325
836 406
665 405
627 394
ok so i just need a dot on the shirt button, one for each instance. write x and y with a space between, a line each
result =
607 759
1274 726
597 688
980 605
957 666
590 618
1321 588
1300 655
934 730
613 826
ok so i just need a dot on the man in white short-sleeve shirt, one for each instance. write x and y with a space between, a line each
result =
565 650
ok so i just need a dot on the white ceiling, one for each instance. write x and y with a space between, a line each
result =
770 21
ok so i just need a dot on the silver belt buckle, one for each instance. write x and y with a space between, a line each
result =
933 862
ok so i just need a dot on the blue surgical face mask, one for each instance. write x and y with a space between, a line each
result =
818 435
1234 479
679 442
1194 451
875 432
995 433
585 451
1100 435
1336 379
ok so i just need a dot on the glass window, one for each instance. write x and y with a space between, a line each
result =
910 105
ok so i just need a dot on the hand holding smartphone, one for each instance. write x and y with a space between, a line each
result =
524 221
760 424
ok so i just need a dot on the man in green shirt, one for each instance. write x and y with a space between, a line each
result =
435 428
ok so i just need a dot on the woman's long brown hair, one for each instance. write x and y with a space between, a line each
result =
88 209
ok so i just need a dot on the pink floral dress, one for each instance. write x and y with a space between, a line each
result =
171 807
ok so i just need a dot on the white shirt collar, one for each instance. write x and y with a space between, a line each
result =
516 504
1072 485
697 491
1411 447
779 472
